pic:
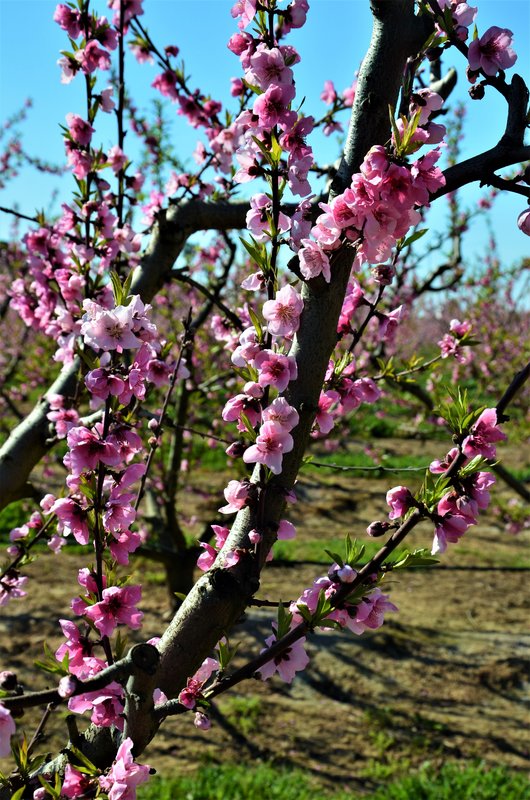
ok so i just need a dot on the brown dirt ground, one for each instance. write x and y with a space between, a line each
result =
448 677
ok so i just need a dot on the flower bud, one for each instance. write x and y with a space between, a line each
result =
378 528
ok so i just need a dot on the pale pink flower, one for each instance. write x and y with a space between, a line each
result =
271 443
313 260
11 587
201 721
7 729
286 530
67 686
492 51
125 774
287 664
370 612
245 10
482 436
237 494
328 95
283 313
116 159
92 57
109 330
281 412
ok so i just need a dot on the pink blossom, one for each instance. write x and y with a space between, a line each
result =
206 559
313 261
245 10
92 57
271 106
241 404
286 664
400 500
67 686
370 612
324 419
492 51
109 330
87 450
237 495
11 587
281 412
7 729
275 370
73 518
80 131
201 721
106 705
482 436
125 774
116 159
116 607
75 783
123 544
77 646
69 19
188 696
271 443
438 466
286 530
449 529
283 313
329 95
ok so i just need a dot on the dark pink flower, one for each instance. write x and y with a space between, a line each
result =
275 370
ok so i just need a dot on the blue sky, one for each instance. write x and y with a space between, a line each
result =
331 45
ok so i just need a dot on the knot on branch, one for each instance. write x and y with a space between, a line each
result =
146 657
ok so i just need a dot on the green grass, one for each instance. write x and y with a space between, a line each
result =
314 549
265 782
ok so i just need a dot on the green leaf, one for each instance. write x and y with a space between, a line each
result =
81 760
335 557
284 621
413 237
256 322
117 288
417 558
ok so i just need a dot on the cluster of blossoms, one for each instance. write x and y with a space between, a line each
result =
459 507
99 37
363 611
452 343
373 213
